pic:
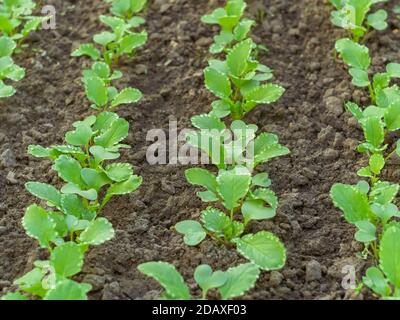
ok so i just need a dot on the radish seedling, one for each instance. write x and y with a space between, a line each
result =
233 28
116 43
238 82
235 189
357 57
352 15
8 69
230 284
70 223
16 19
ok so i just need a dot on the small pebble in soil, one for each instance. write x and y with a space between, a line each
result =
334 105
7 158
313 271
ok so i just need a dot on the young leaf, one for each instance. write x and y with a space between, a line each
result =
67 259
7 46
392 116
192 230
38 225
168 277
71 188
240 279
375 280
124 187
217 83
267 93
202 177
31 282
238 56
68 290
45 192
119 172
351 201
96 91
366 231
233 185
377 20
13 296
68 169
374 131
128 95
207 279
216 222
117 132
87 50
98 232
263 249
353 54
389 255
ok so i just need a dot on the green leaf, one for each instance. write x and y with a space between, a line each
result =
117 132
98 232
45 192
14 296
32 25
353 54
366 231
384 192
71 188
168 277
7 46
67 259
96 91
263 249
192 230
202 177
392 116
123 187
217 82
133 41
374 131
376 163
214 17
31 282
68 169
101 69
393 69
207 279
377 20
375 280
104 38
267 93
216 222
220 109
119 171
360 77
6 91
242 29
237 58
254 209
87 50
233 185
68 290
355 110
38 225
351 201
128 95
207 122
81 135
100 154
266 147
261 180
240 279
389 255
94 179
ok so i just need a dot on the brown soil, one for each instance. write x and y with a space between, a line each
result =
309 119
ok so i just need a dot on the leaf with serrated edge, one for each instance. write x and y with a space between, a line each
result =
263 249
45 192
240 279
98 232
168 277
67 259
